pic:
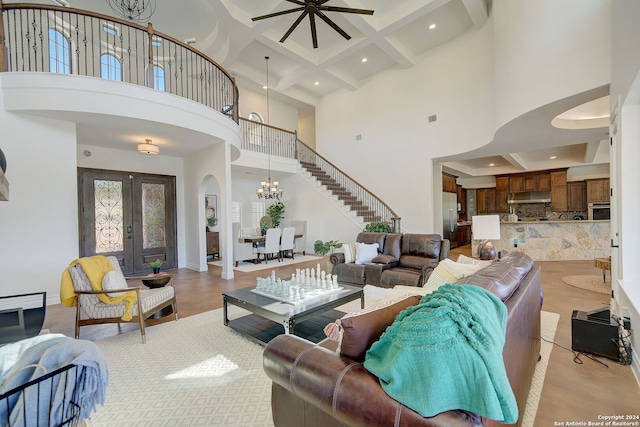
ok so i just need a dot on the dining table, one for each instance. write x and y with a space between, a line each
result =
255 239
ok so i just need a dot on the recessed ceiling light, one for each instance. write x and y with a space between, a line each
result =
364 59
264 87
553 157
316 83
432 26
492 164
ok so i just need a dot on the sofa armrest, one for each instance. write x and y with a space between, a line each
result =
373 271
340 387
336 258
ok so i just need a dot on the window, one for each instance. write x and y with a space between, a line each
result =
255 130
257 212
110 67
158 77
236 212
59 56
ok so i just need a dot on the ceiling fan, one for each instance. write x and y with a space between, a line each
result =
313 8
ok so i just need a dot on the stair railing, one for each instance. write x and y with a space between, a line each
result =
263 138
306 154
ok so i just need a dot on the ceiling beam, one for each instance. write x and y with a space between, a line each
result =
590 152
477 10
516 160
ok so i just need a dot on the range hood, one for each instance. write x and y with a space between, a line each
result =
530 197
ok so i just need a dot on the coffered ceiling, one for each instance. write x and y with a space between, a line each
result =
395 36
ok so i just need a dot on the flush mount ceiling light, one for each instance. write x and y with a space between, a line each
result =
148 148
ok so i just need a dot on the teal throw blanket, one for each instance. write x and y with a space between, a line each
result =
446 353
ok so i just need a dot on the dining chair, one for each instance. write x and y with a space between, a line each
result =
271 244
241 251
301 230
286 243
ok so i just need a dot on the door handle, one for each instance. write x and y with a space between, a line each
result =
129 229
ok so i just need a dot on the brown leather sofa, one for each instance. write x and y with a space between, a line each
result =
403 259
315 386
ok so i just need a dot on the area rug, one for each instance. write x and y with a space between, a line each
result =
588 282
196 371
247 267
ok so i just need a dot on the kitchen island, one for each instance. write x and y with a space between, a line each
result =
555 240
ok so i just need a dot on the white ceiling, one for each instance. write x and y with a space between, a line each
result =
395 36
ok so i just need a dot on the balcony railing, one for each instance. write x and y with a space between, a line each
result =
53 39
266 139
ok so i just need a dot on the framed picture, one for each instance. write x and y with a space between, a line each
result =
211 210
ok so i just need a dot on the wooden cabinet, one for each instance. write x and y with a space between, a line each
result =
213 243
577 196
559 191
516 183
529 182
598 190
464 235
449 183
501 201
486 200
462 200
543 182
502 183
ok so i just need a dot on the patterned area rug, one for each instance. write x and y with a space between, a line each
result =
588 282
196 371
247 267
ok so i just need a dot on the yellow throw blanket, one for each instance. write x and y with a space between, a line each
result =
95 268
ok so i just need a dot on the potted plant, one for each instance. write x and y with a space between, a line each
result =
156 265
323 248
377 227
275 212
211 222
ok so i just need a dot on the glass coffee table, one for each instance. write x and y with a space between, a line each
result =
271 317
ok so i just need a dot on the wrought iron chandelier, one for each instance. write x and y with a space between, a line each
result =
268 189
133 10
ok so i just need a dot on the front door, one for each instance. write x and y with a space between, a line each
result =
128 215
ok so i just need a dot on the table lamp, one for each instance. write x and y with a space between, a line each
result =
486 228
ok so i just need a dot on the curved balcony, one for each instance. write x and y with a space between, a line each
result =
51 39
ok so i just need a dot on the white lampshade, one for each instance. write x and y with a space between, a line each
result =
485 227
148 148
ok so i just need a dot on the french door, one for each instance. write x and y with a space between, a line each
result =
128 215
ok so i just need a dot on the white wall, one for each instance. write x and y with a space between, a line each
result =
307 128
281 115
39 223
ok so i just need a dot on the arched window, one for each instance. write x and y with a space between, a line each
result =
158 77
59 52
255 130
110 67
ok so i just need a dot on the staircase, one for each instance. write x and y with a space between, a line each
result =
352 202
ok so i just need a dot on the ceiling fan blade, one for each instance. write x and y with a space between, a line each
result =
333 25
293 27
301 3
284 12
314 34
346 10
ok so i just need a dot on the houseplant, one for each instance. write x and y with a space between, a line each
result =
156 265
323 248
377 227
275 212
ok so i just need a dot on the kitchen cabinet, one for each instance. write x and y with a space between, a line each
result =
516 183
449 183
462 201
577 196
486 200
502 183
464 235
559 191
501 201
598 190
543 182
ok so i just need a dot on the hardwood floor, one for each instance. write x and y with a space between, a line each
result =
572 392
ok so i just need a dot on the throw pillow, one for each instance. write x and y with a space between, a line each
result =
462 259
449 271
349 250
366 252
114 280
356 331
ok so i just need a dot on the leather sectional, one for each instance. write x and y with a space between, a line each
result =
403 259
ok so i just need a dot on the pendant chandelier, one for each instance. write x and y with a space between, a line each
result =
268 189
133 10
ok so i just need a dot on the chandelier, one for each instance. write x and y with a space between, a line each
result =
268 189
133 10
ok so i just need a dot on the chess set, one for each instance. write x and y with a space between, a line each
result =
304 285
